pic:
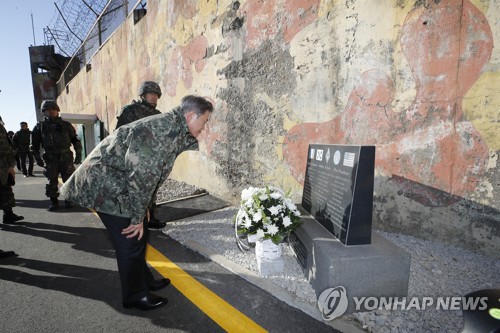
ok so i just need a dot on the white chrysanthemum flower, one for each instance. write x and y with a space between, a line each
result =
289 203
247 222
272 229
257 216
275 195
296 213
263 197
246 194
286 221
274 210
260 234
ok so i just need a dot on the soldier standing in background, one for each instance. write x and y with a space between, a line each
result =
150 93
10 134
55 136
21 141
7 179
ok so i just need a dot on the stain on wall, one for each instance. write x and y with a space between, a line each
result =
422 85
431 142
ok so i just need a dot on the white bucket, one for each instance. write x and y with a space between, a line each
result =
266 249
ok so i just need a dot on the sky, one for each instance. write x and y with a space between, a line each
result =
17 102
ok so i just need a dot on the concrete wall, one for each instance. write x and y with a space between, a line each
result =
418 79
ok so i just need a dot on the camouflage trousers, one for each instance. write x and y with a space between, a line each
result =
6 197
56 164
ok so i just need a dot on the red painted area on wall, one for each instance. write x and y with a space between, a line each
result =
184 59
446 46
431 142
300 13
263 21
172 72
184 8
215 130
146 72
260 17
296 143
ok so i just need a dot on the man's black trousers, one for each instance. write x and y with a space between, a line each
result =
131 258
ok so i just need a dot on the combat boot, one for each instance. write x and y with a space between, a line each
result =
9 217
54 204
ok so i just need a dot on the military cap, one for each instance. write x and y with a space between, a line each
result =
49 104
149 87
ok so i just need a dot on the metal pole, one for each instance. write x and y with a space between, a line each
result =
33 28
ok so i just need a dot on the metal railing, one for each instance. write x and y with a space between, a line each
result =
112 16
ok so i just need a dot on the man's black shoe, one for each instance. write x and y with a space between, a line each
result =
11 218
5 254
54 204
149 302
32 175
154 223
158 284
68 204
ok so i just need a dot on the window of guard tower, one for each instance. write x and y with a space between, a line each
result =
140 11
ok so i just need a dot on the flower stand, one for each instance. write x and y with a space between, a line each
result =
269 258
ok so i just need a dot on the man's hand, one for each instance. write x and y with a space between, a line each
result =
134 230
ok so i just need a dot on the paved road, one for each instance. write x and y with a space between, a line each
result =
65 280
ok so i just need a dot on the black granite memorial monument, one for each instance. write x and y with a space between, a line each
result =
335 244
338 190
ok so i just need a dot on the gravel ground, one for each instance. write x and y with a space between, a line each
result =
436 270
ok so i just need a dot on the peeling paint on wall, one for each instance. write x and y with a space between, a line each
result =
423 85
431 142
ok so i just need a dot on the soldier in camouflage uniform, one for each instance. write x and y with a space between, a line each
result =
21 141
119 178
150 93
55 136
7 177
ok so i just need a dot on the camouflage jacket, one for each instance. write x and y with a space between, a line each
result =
55 136
121 175
7 159
135 111
21 140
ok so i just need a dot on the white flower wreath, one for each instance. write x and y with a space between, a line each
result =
267 213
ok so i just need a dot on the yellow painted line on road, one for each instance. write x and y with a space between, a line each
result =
223 313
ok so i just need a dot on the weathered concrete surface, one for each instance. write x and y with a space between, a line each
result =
422 84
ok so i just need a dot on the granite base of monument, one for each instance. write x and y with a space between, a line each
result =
380 269
270 267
